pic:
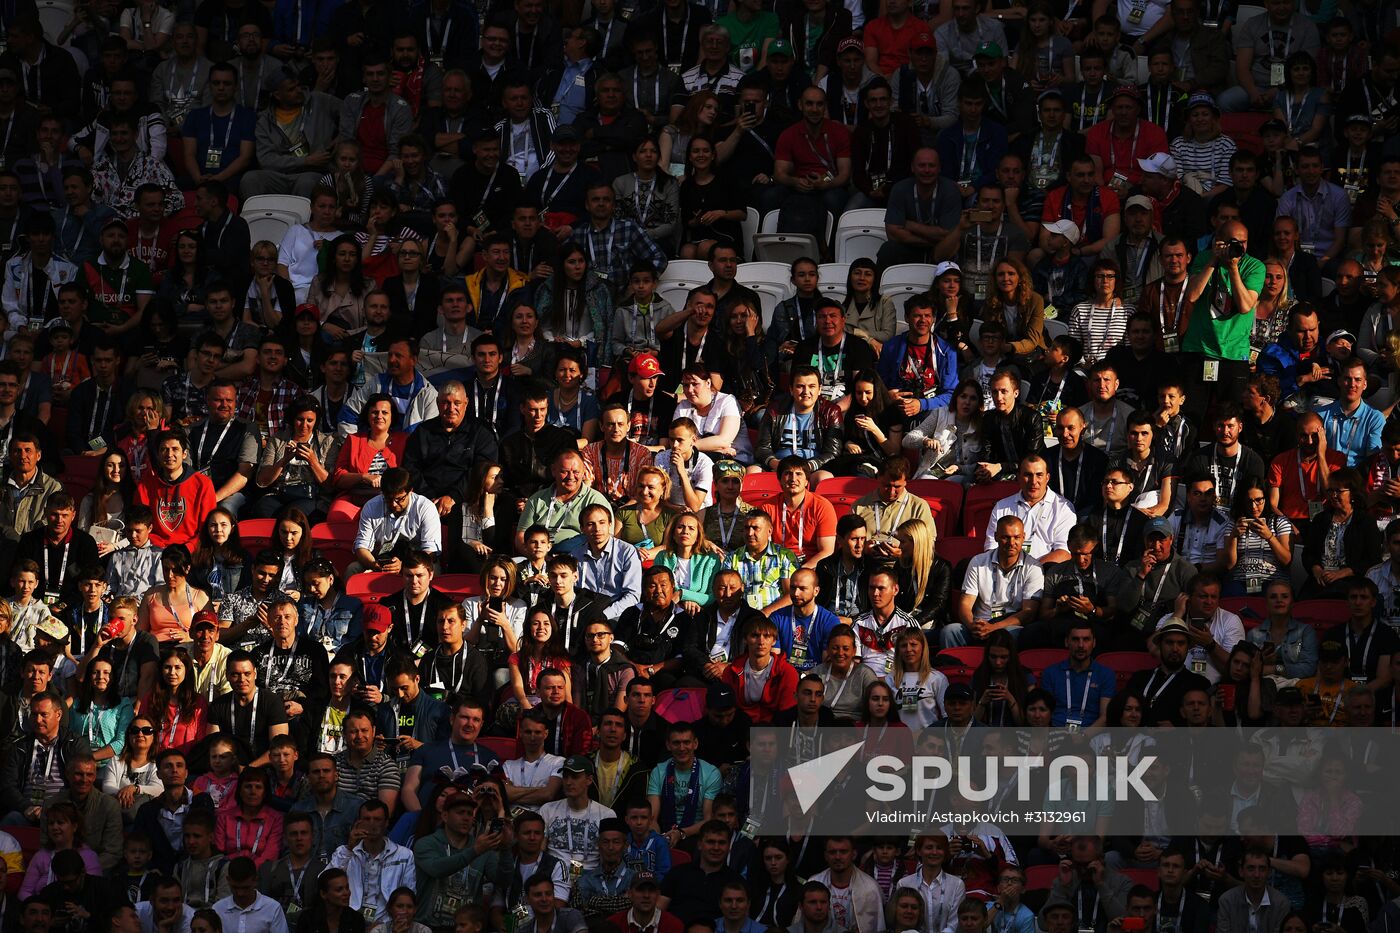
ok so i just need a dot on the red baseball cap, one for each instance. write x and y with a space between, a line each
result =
376 618
646 366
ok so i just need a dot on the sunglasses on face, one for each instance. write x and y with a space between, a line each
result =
141 730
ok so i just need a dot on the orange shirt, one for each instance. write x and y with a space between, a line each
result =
1293 499
799 529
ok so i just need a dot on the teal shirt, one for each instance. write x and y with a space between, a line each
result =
1222 336
103 727
699 589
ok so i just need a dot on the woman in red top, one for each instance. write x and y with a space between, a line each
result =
885 732
145 415
180 714
365 456
541 646
246 824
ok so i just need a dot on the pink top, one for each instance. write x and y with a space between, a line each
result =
1324 825
259 838
218 789
175 729
40 870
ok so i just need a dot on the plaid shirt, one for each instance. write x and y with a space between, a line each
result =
283 395
763 577
614 250
183 398
421 195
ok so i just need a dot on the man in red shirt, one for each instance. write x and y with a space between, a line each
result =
180 497
813 161
1117 143
1092 207
803 522
887 39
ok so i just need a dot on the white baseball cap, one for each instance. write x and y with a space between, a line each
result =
1065 228
1159 164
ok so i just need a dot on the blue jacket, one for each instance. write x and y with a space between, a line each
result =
991 146
1285 361
944 359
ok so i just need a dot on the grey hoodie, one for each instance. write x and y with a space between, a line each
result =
320 121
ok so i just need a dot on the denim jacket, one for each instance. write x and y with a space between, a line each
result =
334 627
1298 653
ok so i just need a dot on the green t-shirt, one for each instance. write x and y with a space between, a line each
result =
1215 330
746 39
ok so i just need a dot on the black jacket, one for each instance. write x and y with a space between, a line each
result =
423 317
526 458
14 774
1081 480
55 82
932 611
587 608
696 650
79 553
424 634
464 673
826 581
646 642
1024 431
441 462
84 412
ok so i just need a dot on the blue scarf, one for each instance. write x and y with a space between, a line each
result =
668 796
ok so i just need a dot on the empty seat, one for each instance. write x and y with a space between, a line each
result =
293 205
908 278
860 233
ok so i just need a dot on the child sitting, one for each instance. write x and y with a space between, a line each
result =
634 324
66 366
135 568
26 612
218 781
203 871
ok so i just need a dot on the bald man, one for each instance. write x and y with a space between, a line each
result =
1223 289
1076 469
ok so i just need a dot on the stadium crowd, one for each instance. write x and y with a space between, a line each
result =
421 561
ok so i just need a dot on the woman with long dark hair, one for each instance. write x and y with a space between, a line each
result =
869 315
112 491
184 282
575 304
98 712
950 439
168 609
747 376
774 893
1000 683
331 912
479 532
885 731
164 348
180 714
131 776
698 120
541 646
1342 541
649 196
291 541
221 563
338 290
711 209
872 431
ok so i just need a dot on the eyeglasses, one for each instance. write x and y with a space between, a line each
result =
592 635
141 730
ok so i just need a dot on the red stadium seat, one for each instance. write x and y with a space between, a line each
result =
1147 877
1041 877
1037 660
343 510
373 587
503 747
851 486
256 533
1243 128
458 585
966 655
1125 664
334 541
679 857
977 507
759 488
1251 609
957 550
79 474
945 499
1321 614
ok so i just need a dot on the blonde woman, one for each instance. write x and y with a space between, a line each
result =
686 553
1274 307
925 579
643 523
145 416
918 688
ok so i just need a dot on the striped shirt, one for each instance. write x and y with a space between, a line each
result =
1211 159
1099 329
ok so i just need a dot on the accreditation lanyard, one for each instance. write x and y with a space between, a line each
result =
51 585
1234 474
